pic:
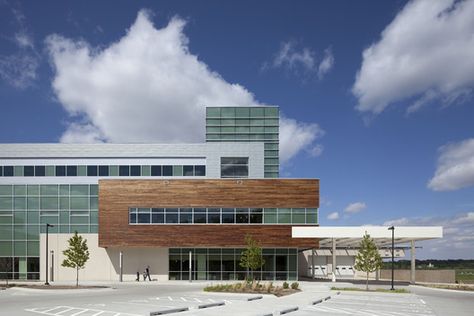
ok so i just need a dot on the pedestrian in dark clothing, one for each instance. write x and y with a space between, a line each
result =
138 277
144 275
147 271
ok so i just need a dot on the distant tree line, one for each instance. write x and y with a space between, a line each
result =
436 264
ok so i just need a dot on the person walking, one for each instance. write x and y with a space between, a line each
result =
147 272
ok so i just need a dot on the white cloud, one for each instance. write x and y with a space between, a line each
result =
425 52
20 68
316 151
301 61
333 216
458 231
355 207
326 64
455 167
148 87
297 135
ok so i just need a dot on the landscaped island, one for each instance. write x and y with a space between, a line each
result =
255 287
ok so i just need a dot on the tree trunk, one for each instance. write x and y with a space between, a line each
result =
77 277
367 282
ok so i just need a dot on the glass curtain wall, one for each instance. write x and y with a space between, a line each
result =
223 264
24 212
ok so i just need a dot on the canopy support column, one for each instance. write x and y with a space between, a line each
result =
413 263
334 260
312 263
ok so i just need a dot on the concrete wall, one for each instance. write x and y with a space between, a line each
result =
430 276
103 264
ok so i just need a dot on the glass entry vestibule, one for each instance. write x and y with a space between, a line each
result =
223 264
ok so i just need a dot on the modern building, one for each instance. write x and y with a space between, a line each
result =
183 210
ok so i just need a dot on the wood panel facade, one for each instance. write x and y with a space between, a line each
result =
117 196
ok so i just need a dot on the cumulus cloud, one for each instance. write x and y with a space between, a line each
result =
20 68
458 232
333 216
455 168
326 64
425 53
148 87
355 207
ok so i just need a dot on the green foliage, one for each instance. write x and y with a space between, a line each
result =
368 258
295 285
286 285
76 255
251 258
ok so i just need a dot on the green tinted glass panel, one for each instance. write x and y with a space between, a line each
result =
79 203
80 228
50 171
94 218
213 122
19 217
177 170
284 216
213 112
270 216
19 248
64 228
20 203
94 229
213 129
49 203
228 129
82 171
33 203
94 189
80 189
227 122
6 190
33 232
79 219
271 122
18 171
19 232
33 189
6 248
146 171
256 122
6 203
6 219
242 112
94 203
298 216
227 112
6 232
271 111
64 189
33 217
64 203
20 189
257 112
113 171
64 217
49 190
33 248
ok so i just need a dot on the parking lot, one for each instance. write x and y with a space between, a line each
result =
141 299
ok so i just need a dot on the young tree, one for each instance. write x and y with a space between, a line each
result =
76 255
368 258
251 258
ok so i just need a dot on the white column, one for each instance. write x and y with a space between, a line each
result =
413 263
334 264
312 262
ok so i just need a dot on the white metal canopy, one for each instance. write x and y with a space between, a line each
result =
350 236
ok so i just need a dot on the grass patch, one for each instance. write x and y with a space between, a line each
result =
255 287
460 287
465 276
370 290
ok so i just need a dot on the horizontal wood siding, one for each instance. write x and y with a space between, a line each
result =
116 196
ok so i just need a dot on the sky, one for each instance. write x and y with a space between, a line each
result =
376 97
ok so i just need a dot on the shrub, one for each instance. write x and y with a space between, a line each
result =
269 287
286 285
295 285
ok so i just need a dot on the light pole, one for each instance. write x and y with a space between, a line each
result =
392 228
47 252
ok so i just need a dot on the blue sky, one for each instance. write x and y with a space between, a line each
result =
376 95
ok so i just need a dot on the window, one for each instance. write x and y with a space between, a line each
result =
167 171
124 171
157 215
234 167
29 171
135 171
228 216
40 171
200 171
92 171
214 215
155 171
171 216
60 171
188 171
143 216
8 171
103 171
242 216
71 171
